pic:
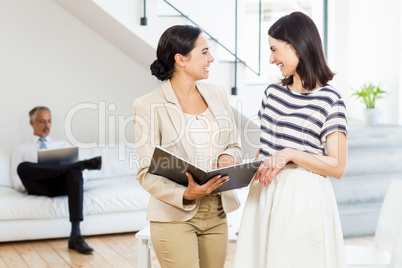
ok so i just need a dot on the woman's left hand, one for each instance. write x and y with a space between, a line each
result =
226 160
271 166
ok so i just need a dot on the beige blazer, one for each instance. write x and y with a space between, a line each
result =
159 120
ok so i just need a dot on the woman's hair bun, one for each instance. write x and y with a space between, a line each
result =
159 70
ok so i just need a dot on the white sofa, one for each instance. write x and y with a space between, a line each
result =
114 202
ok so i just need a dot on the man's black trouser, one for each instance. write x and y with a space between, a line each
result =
48 180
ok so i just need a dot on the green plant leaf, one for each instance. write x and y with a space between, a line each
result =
369 94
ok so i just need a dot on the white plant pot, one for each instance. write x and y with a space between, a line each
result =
371 116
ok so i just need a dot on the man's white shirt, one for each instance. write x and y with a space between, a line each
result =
28 152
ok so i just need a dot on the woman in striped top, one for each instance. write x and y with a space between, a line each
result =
291 218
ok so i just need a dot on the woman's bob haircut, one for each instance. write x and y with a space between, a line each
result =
299 30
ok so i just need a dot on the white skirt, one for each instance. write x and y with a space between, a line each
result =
294 222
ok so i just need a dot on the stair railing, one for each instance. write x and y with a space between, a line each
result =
235 53
144 20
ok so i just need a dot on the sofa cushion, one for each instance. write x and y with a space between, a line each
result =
100 196
116 161
5 166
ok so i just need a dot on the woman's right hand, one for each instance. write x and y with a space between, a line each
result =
194 190
272 165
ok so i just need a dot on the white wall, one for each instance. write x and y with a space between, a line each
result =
400 64
365 46
48 57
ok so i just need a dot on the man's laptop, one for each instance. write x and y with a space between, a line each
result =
65 154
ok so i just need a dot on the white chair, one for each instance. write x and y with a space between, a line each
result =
389 230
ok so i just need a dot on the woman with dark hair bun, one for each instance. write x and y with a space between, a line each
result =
194 121
291 217
177 39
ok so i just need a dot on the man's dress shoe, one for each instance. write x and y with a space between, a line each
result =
94 163
78 243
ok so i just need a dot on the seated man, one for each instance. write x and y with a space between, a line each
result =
52 179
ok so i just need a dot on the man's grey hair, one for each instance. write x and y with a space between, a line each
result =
37 108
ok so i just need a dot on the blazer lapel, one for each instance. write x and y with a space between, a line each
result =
215 105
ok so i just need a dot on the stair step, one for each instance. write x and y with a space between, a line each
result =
378 136
359 219
362 188
371 160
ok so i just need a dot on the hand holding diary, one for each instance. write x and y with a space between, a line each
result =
174 168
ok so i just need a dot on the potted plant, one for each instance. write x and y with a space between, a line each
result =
369 94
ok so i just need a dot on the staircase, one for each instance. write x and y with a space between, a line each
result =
119 22
375 158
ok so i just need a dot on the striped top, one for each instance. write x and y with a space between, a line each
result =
300 121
